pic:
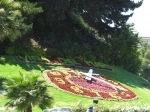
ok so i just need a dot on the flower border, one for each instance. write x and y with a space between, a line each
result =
65 85
66 62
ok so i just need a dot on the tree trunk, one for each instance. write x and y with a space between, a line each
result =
28 109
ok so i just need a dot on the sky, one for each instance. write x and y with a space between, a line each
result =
141 19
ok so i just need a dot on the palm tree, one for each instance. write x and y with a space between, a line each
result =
27 91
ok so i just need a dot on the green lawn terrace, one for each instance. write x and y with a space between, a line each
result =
65 62
10 67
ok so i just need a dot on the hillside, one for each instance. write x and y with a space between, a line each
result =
10 67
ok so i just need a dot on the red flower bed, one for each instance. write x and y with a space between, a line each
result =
72 82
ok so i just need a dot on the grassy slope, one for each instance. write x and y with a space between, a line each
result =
11 68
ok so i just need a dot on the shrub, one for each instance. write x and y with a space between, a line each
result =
116 108
27 91
54 53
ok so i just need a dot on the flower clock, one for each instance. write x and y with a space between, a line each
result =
99 87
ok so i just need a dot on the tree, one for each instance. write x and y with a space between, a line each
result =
124 45
16 18
87 16
81 22
106 15
145 56
27 91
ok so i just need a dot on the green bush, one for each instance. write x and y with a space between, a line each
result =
1 82
144 108
145 56
10 50
54 53
25 47
2 60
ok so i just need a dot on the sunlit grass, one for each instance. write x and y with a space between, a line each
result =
11 69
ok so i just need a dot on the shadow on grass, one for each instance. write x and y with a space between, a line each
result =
1 82
121 76
12 60
127 78
118 74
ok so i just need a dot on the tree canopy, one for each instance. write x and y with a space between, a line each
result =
91 16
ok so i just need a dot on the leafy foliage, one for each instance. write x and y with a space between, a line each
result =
27 91
90 16
116 108
16 18
102 14
1 82
124 49
77 29
26 46
145 56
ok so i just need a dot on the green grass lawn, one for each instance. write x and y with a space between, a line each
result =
11 67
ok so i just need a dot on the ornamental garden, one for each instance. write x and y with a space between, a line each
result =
73 82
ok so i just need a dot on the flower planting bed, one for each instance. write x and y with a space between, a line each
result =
75 83
65 62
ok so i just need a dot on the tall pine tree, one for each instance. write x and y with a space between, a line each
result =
16 18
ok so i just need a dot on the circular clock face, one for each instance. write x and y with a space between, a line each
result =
99 87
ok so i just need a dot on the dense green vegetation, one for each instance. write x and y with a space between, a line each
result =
145 56
93 30
27 91
82 29
16 18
